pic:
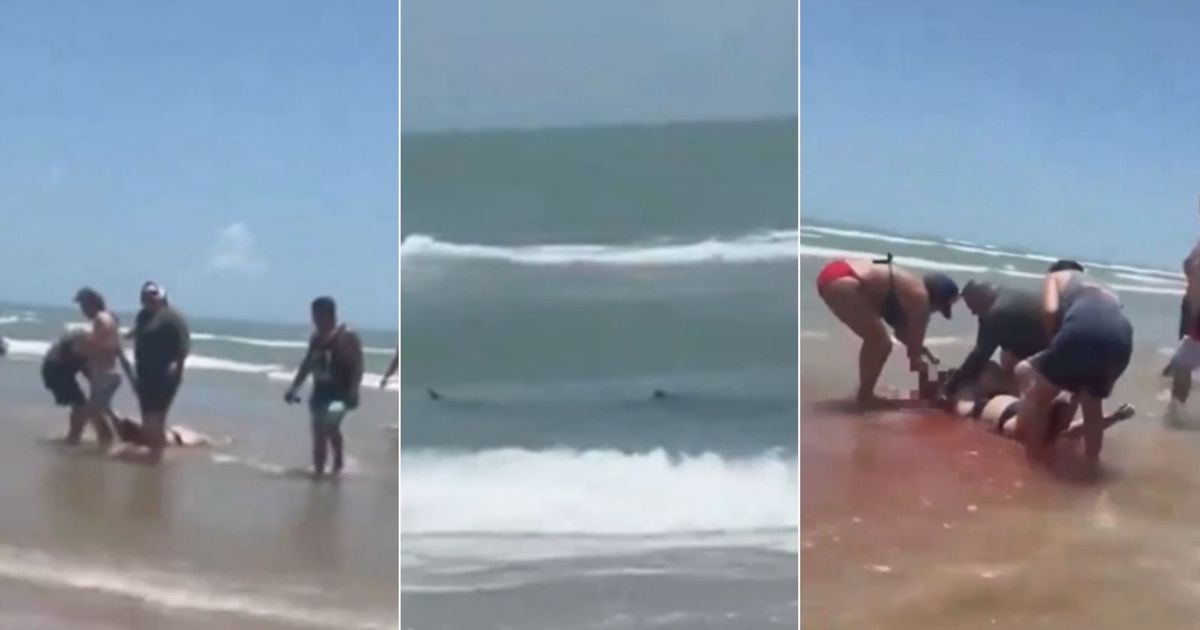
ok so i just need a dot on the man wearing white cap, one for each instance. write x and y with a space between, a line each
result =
162 343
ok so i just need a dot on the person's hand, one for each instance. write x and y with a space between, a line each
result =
290 397
917 363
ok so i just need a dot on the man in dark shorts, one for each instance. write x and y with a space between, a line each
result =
162 343
1010 320
1090 349
60 369
335 360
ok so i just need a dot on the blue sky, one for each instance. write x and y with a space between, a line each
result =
1067 126
470 64
243 153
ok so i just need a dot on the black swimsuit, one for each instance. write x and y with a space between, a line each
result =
890 309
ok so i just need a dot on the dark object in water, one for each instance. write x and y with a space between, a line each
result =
433 395
658 394
3 346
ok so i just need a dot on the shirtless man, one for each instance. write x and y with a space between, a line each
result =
867 296
99 349
1091 343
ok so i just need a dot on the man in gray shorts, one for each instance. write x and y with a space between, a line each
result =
1091 346
99 348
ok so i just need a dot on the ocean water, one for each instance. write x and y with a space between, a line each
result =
212 538
920 520
552 281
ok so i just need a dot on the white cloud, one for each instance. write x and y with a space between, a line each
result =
235 251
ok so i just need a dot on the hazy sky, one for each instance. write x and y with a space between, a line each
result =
1067 126
243 153
536 63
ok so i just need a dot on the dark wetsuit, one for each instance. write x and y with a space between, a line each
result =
1093 344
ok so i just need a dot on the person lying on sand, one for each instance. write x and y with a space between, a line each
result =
865 295
131 432
1000 412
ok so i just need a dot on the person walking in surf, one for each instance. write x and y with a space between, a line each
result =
335 361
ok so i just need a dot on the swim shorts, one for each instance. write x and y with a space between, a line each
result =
1087 356
104 387
1187 355
156 393
328 412
61 382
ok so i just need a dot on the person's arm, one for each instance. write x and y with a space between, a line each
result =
914 300
301 373
1191 271
1050 304
985 345
183 341
354 349
393 367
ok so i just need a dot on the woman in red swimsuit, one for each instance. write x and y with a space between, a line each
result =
868 295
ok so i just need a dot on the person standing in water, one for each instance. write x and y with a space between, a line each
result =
99 349
865 295
163 343
1090 347
335 361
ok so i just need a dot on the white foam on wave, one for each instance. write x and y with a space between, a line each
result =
370 380
1151 279
600 492
174 591
1137 288
761 247
868 236
905 261
271 343
37 349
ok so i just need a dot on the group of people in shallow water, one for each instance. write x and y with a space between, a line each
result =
334 360
1062 349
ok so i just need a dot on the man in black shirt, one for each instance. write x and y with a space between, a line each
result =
162 346
335 360
1010 320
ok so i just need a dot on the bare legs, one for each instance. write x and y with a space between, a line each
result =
852 308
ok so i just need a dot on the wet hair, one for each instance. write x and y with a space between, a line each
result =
325 304
88 295
1065 265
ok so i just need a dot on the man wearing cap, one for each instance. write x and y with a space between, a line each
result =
868 295
162 343
99 349
1010 320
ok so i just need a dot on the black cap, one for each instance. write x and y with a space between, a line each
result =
942 292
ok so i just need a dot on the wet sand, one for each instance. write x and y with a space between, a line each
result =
922 520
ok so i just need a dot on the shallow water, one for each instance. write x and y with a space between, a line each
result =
920 520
